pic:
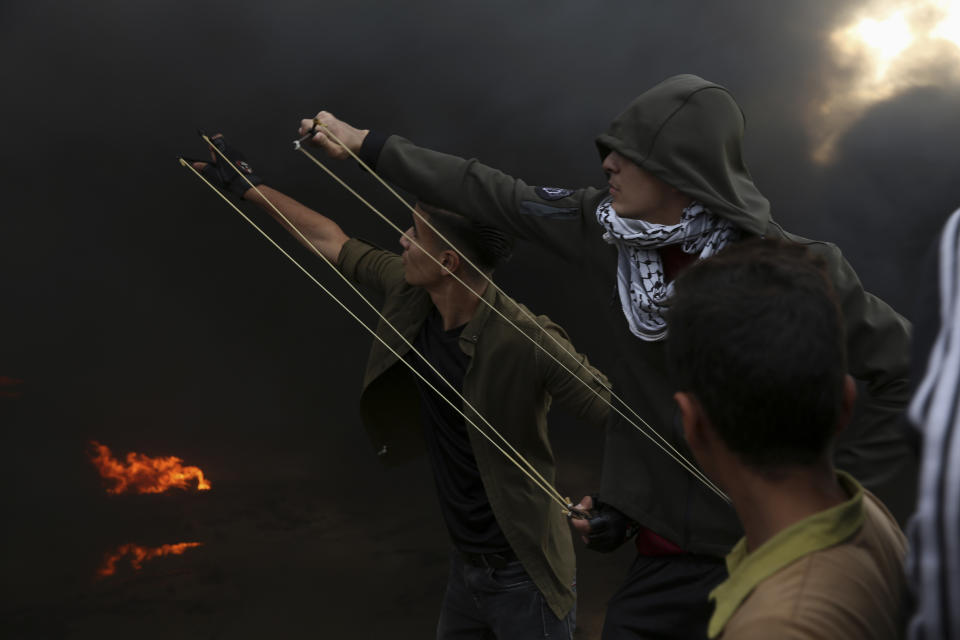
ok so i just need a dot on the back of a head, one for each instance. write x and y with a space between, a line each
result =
755 333
486 246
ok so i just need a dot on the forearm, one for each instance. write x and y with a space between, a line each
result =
465 186
557 219
312 229
569 377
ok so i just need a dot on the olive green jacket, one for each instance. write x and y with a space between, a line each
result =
638 478
838 573
510 381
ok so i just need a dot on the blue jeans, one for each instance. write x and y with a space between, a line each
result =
502 604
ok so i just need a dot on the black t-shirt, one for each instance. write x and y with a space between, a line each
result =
463 500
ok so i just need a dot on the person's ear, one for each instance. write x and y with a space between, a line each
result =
450 261
847 400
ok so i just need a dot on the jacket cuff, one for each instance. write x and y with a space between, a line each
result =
371 148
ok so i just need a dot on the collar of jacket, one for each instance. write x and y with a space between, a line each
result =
814 533
472 330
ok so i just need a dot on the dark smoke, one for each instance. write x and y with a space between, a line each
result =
143 313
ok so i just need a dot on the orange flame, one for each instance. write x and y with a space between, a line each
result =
139 555
143 474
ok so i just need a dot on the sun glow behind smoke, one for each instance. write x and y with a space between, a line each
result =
889 46
887 39
139 555
143 474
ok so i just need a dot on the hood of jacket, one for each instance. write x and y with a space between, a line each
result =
689 133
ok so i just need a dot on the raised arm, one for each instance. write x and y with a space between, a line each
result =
561 220
310 228
313 229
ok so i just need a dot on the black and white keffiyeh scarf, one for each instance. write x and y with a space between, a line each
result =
640 280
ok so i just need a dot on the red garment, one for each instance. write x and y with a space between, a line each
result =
674 261
650 544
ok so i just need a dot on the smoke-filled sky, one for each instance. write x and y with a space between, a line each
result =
141 312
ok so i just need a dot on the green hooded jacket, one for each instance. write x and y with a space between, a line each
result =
688 132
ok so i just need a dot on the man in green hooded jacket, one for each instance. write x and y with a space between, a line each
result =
679 191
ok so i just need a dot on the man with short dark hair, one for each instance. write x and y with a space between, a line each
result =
678 191
757 353
512 568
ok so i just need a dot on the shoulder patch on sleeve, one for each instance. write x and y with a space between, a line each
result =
553 193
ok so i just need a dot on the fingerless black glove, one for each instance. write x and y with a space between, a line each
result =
224 177
609 527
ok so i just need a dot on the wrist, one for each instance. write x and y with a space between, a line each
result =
358 143
256 192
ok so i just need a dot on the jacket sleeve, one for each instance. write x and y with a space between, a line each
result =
369 267
556 219
576 385
876 447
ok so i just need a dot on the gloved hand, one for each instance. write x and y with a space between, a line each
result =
608 528
223 176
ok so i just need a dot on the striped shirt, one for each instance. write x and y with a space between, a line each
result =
934 562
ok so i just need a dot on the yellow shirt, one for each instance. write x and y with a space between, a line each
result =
837 574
